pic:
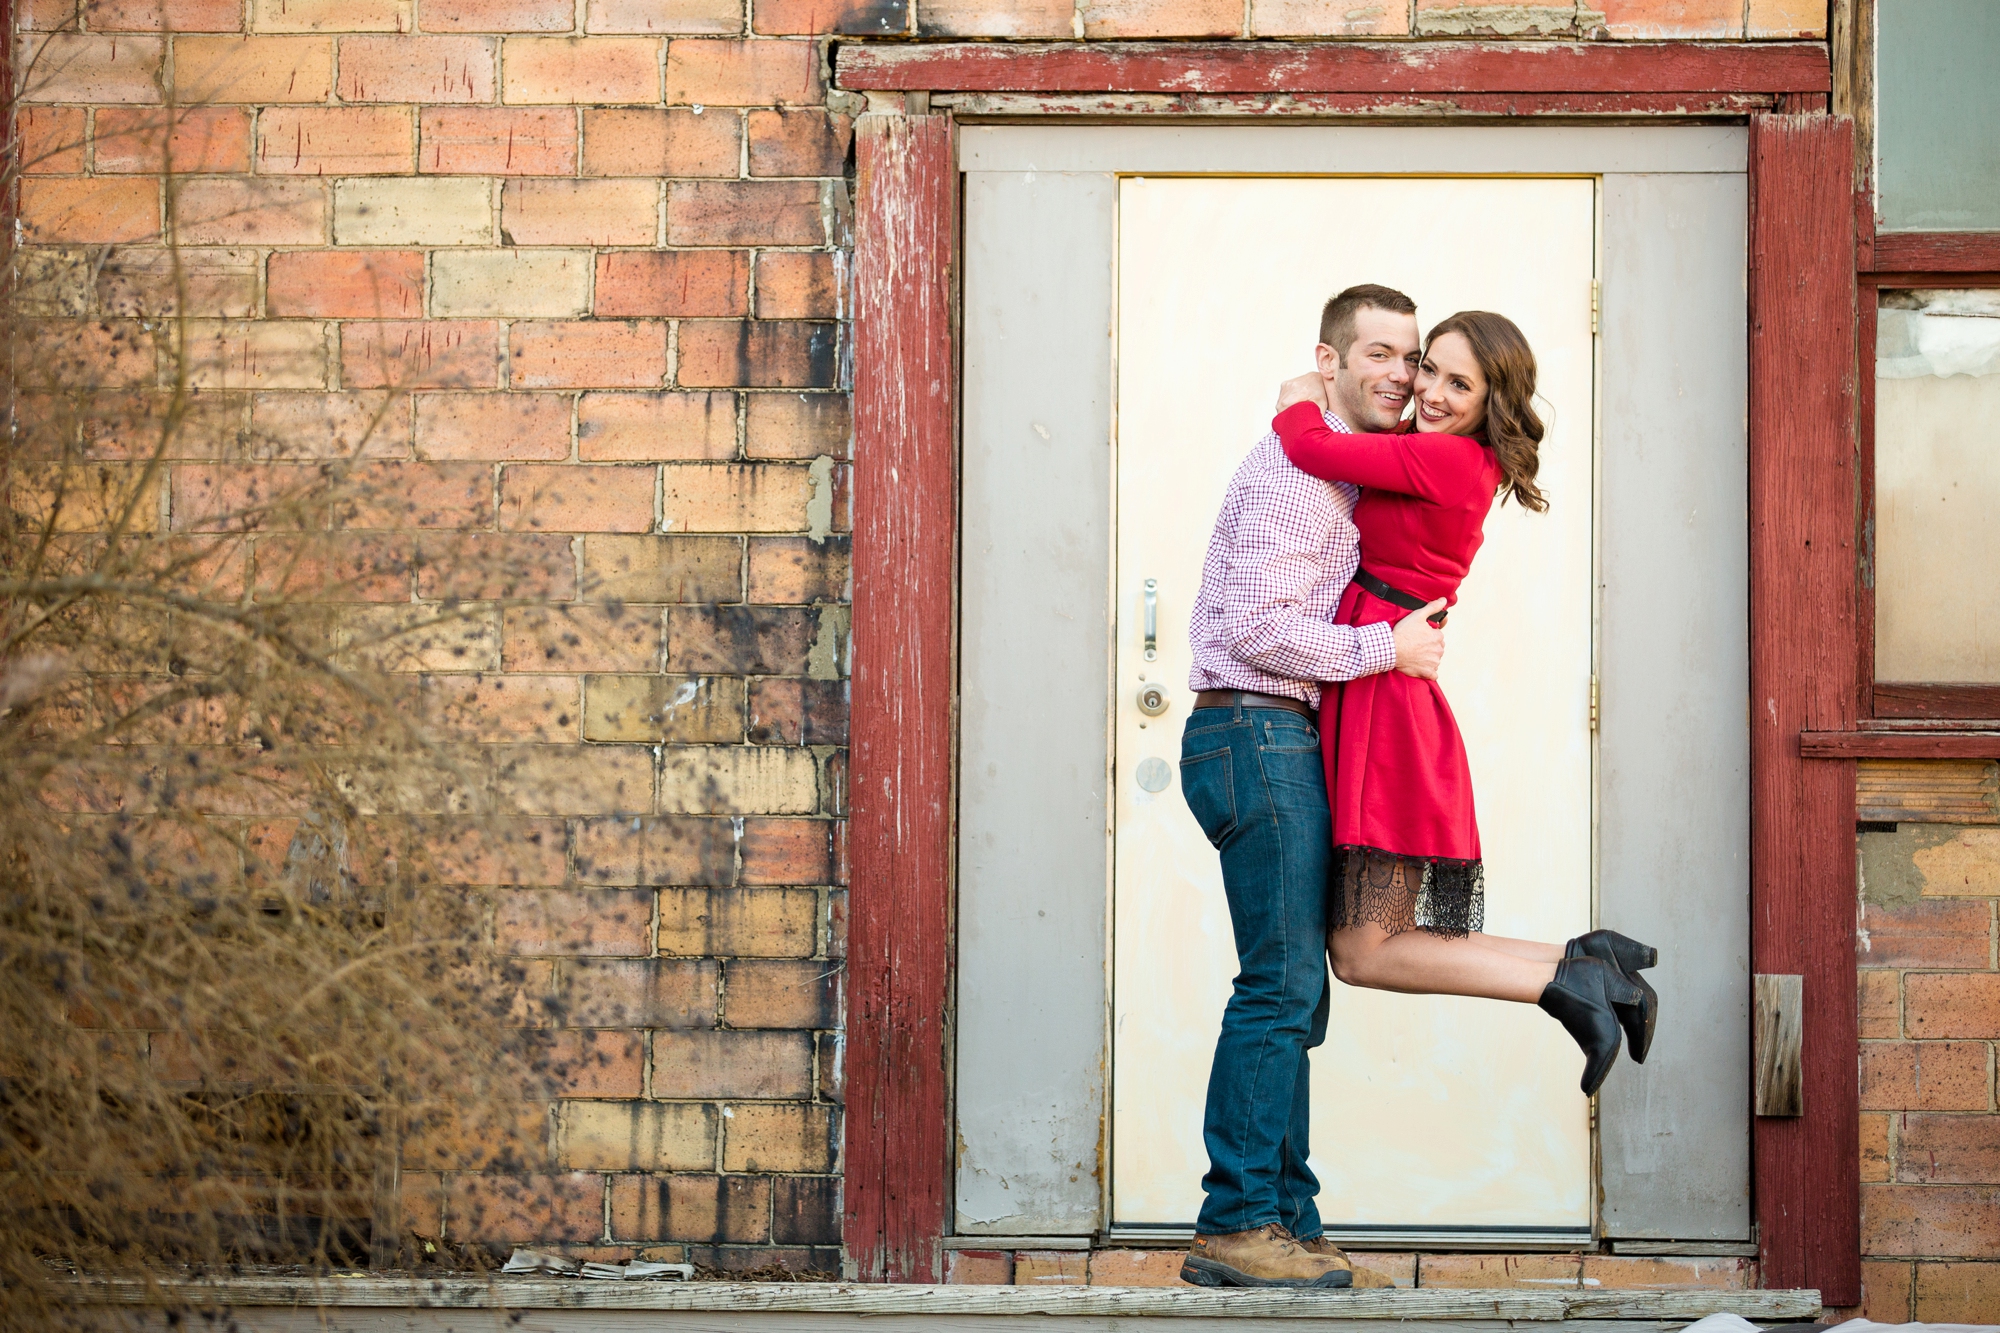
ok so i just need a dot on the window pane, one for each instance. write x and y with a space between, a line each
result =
1937 114
1937 486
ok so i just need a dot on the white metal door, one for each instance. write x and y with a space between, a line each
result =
1431 1114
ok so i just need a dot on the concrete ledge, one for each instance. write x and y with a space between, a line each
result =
754 1306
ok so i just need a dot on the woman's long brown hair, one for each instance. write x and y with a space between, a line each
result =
1512 427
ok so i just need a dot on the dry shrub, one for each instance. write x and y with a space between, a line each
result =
246 971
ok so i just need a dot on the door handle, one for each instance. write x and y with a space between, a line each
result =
1152 619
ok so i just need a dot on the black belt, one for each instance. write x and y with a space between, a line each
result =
1409 601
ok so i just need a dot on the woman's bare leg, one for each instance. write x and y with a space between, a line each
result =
1417 962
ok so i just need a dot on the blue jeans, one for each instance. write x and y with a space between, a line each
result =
1253 779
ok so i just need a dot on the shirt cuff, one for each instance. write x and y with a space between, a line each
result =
1378 648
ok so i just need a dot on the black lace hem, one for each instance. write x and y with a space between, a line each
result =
1400 893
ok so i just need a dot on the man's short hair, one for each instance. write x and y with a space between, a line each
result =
1336 319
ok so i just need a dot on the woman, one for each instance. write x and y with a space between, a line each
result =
1410 892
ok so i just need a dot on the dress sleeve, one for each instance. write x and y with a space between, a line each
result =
1384 462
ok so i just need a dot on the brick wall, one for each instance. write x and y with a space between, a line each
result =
1930 1015
584 261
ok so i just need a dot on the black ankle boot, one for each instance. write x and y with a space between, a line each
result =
1581 999
1628 956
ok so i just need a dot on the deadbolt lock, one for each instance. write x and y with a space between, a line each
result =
1153 700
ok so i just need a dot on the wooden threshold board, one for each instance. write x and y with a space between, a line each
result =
574 1305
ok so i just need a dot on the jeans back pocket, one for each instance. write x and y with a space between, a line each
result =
1211 794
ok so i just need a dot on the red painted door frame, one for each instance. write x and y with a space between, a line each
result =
1802 300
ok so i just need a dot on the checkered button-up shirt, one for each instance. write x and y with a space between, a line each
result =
1283 551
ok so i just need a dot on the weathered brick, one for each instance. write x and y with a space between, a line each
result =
650 426
334 425
1142 1268
744 213
663 568
406 638
89 210
712 72
797 425
1920 1220
1925 1076
805 142
412 354
772 993
805 1210
580 212
1881 1004
92 67
494 1207
799 570
1926 934
234 211
845 17
1161 18
428 211
739 923
255 354
639 992
573 779
397 495
1470 18
1957 1293
497 141
980 1268
516 853
1653 20
1650 1273
780 1137
1311 18
52 138
187 140
704 1208
1051 1268
704 17
732 1064
580 637
737 497
983 18
1887 1289
417 69
164 15
343 568
600 923
421 1202
594 71
332 15
509 1139
629 354
743 640
97 354
669 851
684 709
1787 18
756 354
255 70
590 1063
1499 1270
790 711
1948 1149
490 566
142 281
510 283
1875 1161
493 425
498 15
87 498
635 1136
506 708
673 282
573 498
1951 1005
346 284
335 141
795 284
639 141
1965 865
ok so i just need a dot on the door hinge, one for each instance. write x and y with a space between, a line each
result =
1593 704
1596 305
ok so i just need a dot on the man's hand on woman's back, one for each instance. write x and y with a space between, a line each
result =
1420 644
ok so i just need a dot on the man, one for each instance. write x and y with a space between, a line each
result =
1283 552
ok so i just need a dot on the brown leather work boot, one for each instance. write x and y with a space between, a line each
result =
1266 1257
1320 1245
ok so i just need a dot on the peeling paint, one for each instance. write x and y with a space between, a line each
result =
819 504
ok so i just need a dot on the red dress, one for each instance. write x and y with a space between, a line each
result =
1396 773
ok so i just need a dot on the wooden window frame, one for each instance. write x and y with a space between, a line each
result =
1803 272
